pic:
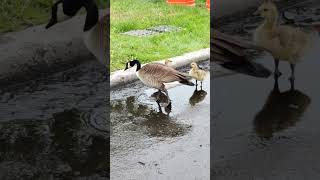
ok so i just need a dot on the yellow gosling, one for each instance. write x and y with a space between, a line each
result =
168 62
284 42
197 73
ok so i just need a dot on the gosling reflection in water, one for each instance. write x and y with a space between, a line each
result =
281 111
197 96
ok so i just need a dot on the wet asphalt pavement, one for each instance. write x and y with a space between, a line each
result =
149 144
56 127
260 132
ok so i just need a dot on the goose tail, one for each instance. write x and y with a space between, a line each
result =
248 68
186 82
186 79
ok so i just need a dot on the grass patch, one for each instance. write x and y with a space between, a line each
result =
19 14
140 14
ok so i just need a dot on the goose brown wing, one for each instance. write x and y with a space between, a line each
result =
162 73
235 42
233 54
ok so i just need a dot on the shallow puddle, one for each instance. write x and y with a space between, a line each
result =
56 127
149 143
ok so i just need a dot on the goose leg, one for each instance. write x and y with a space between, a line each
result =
158 95
276 84
158 100
277 73
196 83
201 85
168 108
160 109
292 78
165 91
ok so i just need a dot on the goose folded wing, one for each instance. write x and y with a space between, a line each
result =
162 73
216 35
233 54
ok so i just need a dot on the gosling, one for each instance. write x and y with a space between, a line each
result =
197 73
168 62
283 42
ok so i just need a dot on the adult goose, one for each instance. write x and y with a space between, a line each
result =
284 42
234 55
155 75
96 31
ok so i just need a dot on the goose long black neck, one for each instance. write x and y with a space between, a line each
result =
136 62
71 7
92 17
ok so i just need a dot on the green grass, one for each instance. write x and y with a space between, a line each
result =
19 14
140 14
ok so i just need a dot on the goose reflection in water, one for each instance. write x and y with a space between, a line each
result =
281 111
139 117
31 145
197 96
162 101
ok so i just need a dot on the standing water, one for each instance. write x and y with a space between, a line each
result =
152 142
56 127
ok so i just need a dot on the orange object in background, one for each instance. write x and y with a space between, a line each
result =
208 4
182 2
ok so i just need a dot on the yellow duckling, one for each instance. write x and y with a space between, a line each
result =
283 42
197 73
168 62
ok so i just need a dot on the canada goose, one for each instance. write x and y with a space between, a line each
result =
197 73
155 75
96 32
233 54
283 42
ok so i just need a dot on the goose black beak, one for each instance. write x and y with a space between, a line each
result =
51 23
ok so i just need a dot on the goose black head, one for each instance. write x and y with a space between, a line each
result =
133 63
65 9
57 14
